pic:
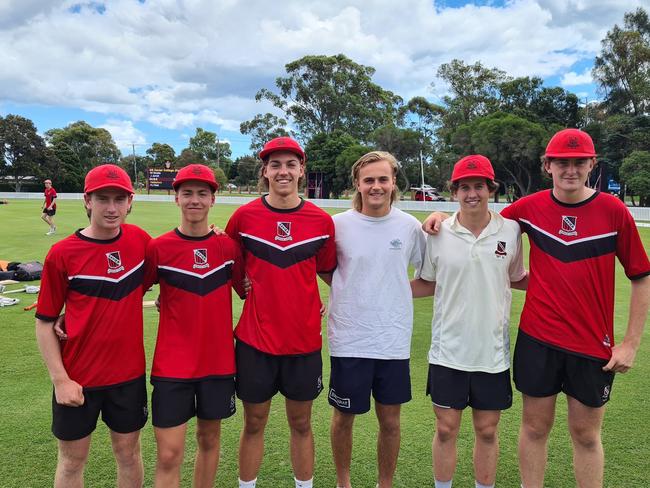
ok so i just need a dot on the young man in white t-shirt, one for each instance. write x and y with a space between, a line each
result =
371 313
471 267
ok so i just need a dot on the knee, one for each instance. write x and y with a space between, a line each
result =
486 434
300 424
254 424
585 438
72 463
169 458
207 441
127 454
390 427
446 432
342 422
536 431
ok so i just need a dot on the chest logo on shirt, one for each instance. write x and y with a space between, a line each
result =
395 245
500 251
569 224
114 262
283 231
200 259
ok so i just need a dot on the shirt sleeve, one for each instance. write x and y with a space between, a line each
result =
629 248
238 273
419 248
326 256
516 270
430 261
54 288
150 265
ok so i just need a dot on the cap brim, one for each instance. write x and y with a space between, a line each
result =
265 153
473 175
570 155
110 185
211 184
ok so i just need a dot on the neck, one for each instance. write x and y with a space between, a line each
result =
281 201
100 233
375 212
474 222
573 196
194 229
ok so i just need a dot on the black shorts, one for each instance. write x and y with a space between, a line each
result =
175 402
260 375
452 388
50 212
542 371
352 380
123 408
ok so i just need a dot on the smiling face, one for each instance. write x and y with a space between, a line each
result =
376 184
473 195
569 175
107 209
283 171
195 198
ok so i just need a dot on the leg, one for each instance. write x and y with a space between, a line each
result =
536 423
302 438
444 442
126 448
341 438
46 218
251 441
588 457
170 448
387 442
486 445
208 434
70 464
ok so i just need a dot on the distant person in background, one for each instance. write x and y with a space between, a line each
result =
49 207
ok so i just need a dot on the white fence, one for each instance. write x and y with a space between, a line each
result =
640 214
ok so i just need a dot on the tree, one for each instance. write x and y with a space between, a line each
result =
635 173
69 172
207 145
187 156
22 149
405 145
263 128
160 153
247 168
623 68
512 143
322 152
220 177
343 167
92 145
323 94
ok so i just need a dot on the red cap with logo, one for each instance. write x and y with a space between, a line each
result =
570 143
196 172
107 176
473 166
282 144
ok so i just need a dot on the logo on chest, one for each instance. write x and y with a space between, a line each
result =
200 259
500 252
114 262
283 231
568 227
395 245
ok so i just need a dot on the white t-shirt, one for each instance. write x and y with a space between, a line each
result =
371 306
471 313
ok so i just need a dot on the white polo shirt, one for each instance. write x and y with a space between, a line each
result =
469 330
371 304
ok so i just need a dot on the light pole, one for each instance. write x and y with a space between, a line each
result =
135 167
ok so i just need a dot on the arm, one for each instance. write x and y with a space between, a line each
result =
522 284
432 223
624 353
326 277
66 391
422 288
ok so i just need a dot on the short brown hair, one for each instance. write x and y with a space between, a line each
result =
491 184
366 159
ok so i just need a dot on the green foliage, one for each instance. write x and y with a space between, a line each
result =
187 156
68 170
405 145
160 153
635 173
323 94
247 169
623 68
343 167
21 148
207 146
322 151
221 178
91 145
263 128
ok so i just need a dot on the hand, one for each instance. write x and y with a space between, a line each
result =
217 230
622 358
323 310
432 223
157 303
69 393
59 328
246 283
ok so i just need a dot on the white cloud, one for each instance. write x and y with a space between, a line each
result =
574 79
178 63
125 135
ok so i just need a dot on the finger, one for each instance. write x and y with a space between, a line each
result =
610 365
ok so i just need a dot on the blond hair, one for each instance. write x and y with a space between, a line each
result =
366 159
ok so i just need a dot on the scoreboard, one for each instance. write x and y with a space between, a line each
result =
161 179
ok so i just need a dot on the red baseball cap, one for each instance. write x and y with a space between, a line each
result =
196 172
570 143
473 166
107 176
282 144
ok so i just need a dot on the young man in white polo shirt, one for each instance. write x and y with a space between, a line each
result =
371 313
471 266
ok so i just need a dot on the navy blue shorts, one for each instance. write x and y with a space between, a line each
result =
353 379
452 388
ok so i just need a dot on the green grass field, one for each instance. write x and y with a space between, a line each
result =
28 449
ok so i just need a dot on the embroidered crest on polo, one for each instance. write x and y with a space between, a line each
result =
283 231
114 262
500 251
395 245
568 227
200 259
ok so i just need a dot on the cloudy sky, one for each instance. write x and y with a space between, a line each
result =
154 70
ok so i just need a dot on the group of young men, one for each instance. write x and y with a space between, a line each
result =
275 248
